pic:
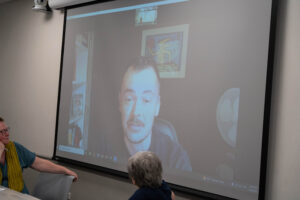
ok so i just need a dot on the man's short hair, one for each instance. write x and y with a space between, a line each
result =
145 169
145 62
1 119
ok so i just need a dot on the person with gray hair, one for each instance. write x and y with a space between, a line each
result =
145 171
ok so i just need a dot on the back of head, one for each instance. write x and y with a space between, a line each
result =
1 119
145 169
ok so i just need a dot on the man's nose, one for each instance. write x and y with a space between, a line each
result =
137 108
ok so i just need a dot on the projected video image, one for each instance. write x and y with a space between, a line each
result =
227 115
141 75
139 106
147 15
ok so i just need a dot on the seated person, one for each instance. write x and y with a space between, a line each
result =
145 171
14 158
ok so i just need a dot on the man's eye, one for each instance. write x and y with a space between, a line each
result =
128 99
147 100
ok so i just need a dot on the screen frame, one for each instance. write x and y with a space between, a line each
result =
183 189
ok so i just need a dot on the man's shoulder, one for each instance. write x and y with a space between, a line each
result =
170 152
161 138
165 143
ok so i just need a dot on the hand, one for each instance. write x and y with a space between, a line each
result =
71 173
2 148
172 195
44 165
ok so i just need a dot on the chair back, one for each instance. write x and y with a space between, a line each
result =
53 186
165 127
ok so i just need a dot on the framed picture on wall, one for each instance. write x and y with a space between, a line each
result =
168 47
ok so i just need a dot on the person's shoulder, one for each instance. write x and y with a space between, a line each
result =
166 189
139 194
170 152
19 146
26 157
164 185
161 140
23 150
182 159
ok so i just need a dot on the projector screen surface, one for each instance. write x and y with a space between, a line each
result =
198 103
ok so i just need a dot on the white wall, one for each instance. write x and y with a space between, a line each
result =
29 73
284 161
30 46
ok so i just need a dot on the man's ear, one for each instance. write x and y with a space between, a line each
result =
157 106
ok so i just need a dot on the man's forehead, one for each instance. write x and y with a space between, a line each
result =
142 80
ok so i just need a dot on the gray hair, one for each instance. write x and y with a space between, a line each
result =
145 169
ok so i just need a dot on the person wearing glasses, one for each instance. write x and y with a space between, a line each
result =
14 158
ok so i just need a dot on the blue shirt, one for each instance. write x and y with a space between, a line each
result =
26 159
146 193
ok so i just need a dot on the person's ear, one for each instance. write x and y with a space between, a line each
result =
157 106
133 181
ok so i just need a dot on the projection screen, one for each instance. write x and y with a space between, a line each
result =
199 104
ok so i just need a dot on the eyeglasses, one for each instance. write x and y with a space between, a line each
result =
3 131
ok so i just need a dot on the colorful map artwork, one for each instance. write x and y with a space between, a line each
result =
166 50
